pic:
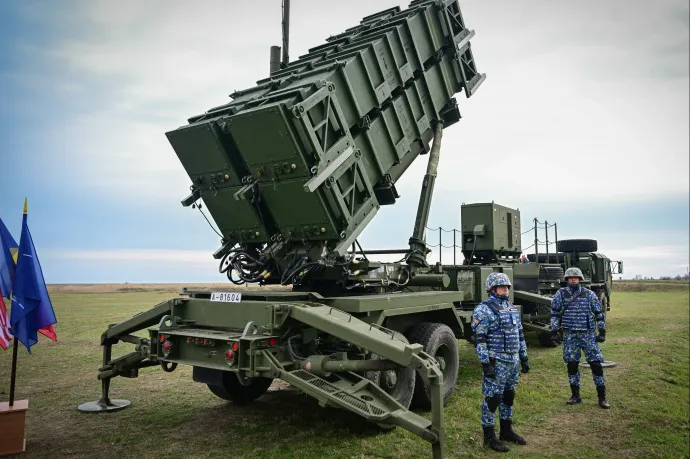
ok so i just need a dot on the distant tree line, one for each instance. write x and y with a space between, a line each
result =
678 277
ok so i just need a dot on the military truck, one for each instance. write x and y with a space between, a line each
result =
597 268
537 281
534 283
291 171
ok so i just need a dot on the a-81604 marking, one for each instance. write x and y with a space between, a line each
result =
226 297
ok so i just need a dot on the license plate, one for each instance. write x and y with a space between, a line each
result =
231 297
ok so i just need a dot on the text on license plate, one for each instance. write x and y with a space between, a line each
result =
232 297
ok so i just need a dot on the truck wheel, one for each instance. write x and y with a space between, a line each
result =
543 309
545 339
234 391
577 245
399 383
604 303
439 342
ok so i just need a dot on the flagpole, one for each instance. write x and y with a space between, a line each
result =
14 370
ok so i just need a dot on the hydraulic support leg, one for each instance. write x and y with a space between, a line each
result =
105 403
129 364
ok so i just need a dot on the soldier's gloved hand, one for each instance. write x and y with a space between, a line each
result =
525 366
489 371
555 337
602 336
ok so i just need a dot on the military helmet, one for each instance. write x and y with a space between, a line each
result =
573 272
496 280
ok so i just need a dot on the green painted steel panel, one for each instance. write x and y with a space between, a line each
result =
389 137
235 218
348 328
298 214
325 132
360 304
500 224
261 152
227 316
201 153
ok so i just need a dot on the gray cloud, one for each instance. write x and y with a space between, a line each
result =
682 14
584 100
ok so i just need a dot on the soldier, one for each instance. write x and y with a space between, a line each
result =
576 309
500 343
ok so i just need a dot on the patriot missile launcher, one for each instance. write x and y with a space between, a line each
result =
291 171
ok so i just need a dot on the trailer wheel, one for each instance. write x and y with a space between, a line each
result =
543 309
399 384
545 339
234 391
439 342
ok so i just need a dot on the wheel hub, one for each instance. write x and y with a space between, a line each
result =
441 355
389 380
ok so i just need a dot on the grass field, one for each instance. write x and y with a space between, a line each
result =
171 416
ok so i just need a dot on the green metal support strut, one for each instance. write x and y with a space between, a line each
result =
359 394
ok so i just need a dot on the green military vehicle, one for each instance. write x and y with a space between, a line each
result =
537 281
292 171
597 268
491 235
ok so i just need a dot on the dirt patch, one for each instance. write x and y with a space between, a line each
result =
674 326
279 384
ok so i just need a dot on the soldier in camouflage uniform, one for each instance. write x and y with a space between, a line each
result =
576 310
501 347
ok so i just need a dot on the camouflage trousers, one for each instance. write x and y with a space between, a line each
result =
577 342
502 388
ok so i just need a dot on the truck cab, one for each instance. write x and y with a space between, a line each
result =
598 271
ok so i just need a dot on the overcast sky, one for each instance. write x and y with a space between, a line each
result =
582 120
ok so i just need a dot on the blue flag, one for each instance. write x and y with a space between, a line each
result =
7 268
32 309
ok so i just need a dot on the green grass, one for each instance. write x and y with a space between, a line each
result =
171 416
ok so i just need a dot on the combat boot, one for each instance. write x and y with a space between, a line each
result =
492 442
601 390
575 398
508 434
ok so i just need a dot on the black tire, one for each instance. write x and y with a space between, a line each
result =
604 302
439 342
403 389
542 258
545 339
577 245
543 309
551 272
233 391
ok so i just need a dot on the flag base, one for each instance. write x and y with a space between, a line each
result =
12 423
100 406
